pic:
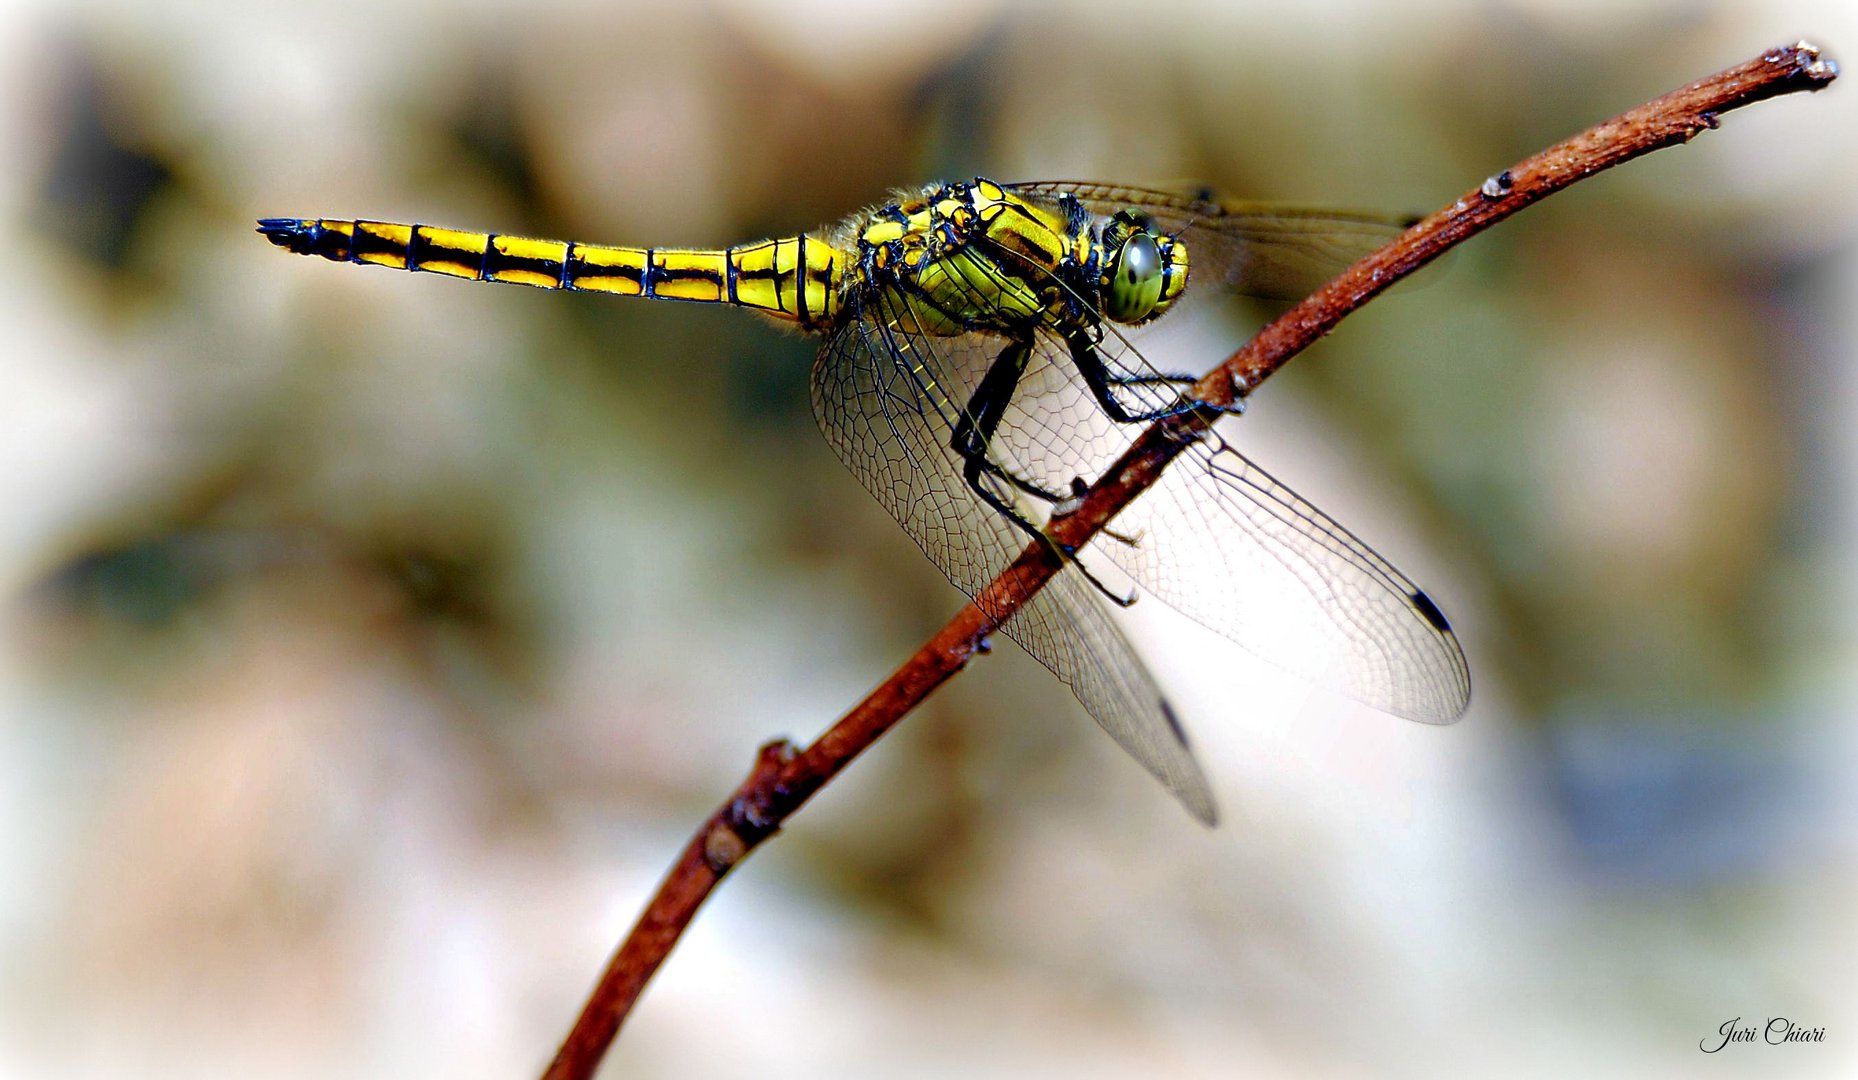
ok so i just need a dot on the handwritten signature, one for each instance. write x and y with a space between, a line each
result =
1778 1030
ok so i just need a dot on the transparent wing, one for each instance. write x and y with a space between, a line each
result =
1216 538
1290 584
1253 249
884 395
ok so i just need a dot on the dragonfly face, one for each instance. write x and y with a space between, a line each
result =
980 359
1143 271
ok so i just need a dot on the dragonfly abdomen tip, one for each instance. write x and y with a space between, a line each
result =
292 234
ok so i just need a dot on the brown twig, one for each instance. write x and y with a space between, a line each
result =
783 779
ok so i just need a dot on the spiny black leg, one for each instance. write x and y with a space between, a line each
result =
974 431
1097 377
1079 489
1183 404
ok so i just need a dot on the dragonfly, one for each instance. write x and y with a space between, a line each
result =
980 359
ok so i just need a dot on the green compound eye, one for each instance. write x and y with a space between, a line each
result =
1135 279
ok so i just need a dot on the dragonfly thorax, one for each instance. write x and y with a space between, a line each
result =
968 257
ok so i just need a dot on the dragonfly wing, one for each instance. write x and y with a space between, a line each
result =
1251 248
1224 542
888 399
1220 540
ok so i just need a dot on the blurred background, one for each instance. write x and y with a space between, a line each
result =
370 643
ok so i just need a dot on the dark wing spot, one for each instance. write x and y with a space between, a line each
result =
1431 611
1174 723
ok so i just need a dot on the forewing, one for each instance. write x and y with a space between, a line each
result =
1249 248
888 399
1222 541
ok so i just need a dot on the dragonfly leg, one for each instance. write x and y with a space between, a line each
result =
974 432
1097 376
1079 488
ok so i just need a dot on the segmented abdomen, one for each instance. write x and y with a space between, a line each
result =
795 278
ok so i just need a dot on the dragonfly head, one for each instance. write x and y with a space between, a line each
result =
1143 271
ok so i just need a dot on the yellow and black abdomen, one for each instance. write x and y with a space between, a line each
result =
796 278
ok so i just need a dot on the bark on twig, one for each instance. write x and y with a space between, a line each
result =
783 778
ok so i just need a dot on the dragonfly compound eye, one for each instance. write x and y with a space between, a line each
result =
1135 280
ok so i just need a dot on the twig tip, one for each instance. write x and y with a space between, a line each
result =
1809 61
